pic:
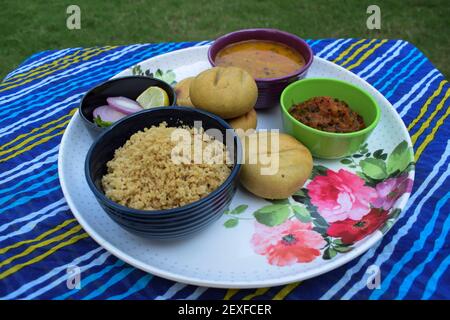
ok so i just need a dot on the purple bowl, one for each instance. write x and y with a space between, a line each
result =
269 89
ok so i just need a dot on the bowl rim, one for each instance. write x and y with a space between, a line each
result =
366 130
187 215
296 73
92 124
178 210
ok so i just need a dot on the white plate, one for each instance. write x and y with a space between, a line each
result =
227 257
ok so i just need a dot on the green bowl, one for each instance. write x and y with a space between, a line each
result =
322 144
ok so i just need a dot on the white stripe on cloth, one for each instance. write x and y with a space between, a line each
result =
329 46
381 58
26 90
49 111
32 215
381 65
28 227
418 85
33 166
41 61
418 96
76 262
336 49
172 291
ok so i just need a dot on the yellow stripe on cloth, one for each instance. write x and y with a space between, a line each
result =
39 238
366 55
32 248
30 139
357 52
56 65
430 137
424 108
47 66
45 125
230 293
31 146
257 293
18 267
32 77
347 51
426 123
62 60
285 291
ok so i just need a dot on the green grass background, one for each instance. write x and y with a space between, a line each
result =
30 26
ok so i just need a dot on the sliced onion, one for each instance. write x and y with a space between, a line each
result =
124 105
108 114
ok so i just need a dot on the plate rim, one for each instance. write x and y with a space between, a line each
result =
120 254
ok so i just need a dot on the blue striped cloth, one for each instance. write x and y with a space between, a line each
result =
40 239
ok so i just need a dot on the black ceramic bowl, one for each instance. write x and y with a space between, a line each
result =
129 87
172 223
173 220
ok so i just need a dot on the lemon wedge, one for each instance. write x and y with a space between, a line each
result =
153 97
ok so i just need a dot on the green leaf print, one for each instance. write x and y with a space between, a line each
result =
374 168
318 170
231 223
239 209
167 76
364 148
301 213
278 201
346 161
329 253
378 153
272 215
342 249
400 158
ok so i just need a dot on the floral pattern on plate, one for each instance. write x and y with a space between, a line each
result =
334 210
